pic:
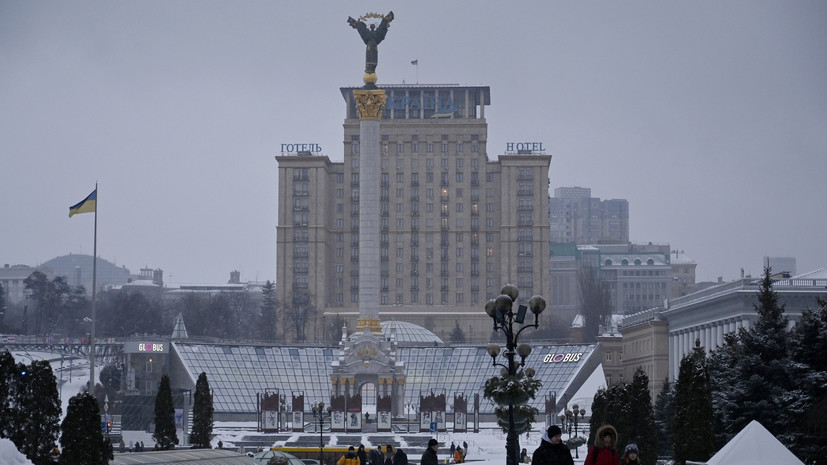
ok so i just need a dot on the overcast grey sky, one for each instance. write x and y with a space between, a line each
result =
710 117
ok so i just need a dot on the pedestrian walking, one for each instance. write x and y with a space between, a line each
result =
376 457
429 456
552 451
603 452
458 457
389 455
400 457
630 455
363 456
350 458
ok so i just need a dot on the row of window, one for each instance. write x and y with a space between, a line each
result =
459 147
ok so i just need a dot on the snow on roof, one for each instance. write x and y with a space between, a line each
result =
820 273
141 282
681 259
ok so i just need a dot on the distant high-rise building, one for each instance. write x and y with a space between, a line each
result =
454 225
781 265
575 216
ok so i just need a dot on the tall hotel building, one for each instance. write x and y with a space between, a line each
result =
455 226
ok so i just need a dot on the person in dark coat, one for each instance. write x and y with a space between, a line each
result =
363 456
603 452
376 456
400 457
429 456
552 451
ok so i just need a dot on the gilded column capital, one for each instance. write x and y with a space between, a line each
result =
373 324
369 103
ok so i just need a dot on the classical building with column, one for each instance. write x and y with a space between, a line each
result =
455 225
706 316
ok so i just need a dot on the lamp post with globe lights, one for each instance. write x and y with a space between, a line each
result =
575 411
513 388
320 413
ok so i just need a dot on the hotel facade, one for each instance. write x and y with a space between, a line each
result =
455 224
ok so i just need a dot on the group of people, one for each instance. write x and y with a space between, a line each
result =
552 451
458 453
389 456
138 446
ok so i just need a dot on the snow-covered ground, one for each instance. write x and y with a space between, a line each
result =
485 447
9 455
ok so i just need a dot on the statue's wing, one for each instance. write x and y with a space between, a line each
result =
364 32
381 30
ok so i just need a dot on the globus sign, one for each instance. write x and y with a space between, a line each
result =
146 347
562 358
150 347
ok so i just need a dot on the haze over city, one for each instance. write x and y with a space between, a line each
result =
709 117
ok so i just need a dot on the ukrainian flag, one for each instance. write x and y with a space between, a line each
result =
87 205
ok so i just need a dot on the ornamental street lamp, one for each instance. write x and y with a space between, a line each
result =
409 408
502 313
320 413
576 410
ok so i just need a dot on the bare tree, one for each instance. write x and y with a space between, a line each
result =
595 302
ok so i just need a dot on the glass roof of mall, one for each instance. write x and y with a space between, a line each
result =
237 373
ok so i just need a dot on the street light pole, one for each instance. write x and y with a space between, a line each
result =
576 410
502 312
320 413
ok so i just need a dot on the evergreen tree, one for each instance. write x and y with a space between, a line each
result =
803 422
598 417
269 307
750 371
642 429
628 408
8 377
664 412
82 438
165 435
457 335
36 412
692 428
202 414
110 378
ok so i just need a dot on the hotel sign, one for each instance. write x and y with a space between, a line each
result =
530 146
303 147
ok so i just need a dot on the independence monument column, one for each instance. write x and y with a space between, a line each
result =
370 101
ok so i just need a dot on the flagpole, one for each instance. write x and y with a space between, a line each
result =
94 290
